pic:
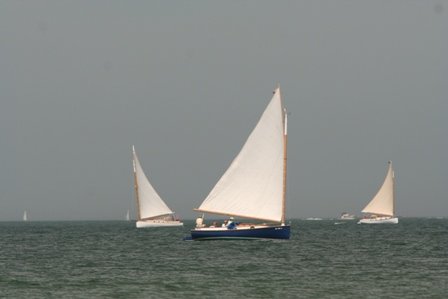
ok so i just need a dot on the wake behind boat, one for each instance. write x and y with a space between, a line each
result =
151 209
254 186
381 208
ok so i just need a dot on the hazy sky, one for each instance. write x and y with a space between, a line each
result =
186 81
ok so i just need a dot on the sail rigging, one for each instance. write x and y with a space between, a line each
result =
254 186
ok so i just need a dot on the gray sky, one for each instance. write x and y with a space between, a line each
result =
186 81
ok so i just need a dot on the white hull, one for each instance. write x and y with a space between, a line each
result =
382 220
157 223
346 216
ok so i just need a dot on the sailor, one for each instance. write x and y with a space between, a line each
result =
231 224
200 222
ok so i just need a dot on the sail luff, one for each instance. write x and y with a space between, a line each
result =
393 188
383 202
134 156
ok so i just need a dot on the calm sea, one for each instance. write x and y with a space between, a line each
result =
322 260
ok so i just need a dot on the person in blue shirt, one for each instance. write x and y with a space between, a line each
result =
231 224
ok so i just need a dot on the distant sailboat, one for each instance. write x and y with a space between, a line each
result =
25 216
128 217
381 208
254 186
151 209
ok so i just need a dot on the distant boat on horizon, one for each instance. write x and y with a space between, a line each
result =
152 211
25 216
254 185
382 206
346 216
127 217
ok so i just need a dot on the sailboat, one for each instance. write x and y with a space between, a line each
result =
128 217
381 208
25 216
254 185
151 209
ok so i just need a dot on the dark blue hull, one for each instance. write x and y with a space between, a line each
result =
271 232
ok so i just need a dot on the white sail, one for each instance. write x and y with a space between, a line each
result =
128 217
252 187
25 216
150 204
383 202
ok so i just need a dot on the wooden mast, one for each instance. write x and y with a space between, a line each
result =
134 155
393 188
285 155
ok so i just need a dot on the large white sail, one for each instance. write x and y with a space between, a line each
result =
252 187
150 204
383 202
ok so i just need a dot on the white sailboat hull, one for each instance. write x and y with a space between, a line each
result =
381 220
157 223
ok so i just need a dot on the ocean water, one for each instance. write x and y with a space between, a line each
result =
102 259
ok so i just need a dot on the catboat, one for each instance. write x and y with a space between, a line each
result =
254 185
381 208
152 211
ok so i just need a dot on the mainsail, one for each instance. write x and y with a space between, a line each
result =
383 202
149 203
253 186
